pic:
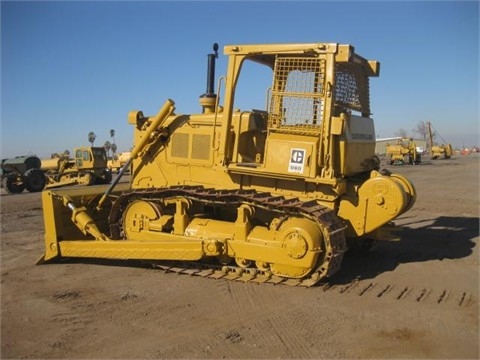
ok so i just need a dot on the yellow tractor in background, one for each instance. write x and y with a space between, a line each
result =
88 167
403 152
117 161
275 195
444 151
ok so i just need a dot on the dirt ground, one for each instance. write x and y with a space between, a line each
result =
415 298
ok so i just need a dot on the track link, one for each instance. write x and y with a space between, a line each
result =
332 227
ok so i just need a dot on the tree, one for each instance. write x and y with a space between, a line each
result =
114 145
112 135
114 150
107 146
422 130
401 133
91 137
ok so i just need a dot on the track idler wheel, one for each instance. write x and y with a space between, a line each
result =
140 216
302 243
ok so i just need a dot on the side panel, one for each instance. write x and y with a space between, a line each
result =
357 146
291 155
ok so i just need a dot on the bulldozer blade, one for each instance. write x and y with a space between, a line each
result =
41 260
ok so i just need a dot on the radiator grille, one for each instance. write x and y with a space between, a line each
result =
201 147
180 145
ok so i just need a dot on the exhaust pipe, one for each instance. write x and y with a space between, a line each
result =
208 100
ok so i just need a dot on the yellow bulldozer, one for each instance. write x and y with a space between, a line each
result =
275 195
444 151
404 151
88 167
117 161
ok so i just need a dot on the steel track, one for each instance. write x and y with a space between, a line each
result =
332 227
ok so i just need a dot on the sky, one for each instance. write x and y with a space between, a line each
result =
72 67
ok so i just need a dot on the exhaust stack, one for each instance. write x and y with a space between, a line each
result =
209 99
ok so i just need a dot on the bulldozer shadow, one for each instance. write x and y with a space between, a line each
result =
442 238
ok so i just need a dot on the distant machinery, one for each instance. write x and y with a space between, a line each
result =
438 151
404 151
22 172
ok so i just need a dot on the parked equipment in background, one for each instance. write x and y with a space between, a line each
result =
438 151
403 152
274 195
118 161
22 172
88 167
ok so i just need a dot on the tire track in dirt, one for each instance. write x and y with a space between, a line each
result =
373 290
286 323
292 329
424 295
